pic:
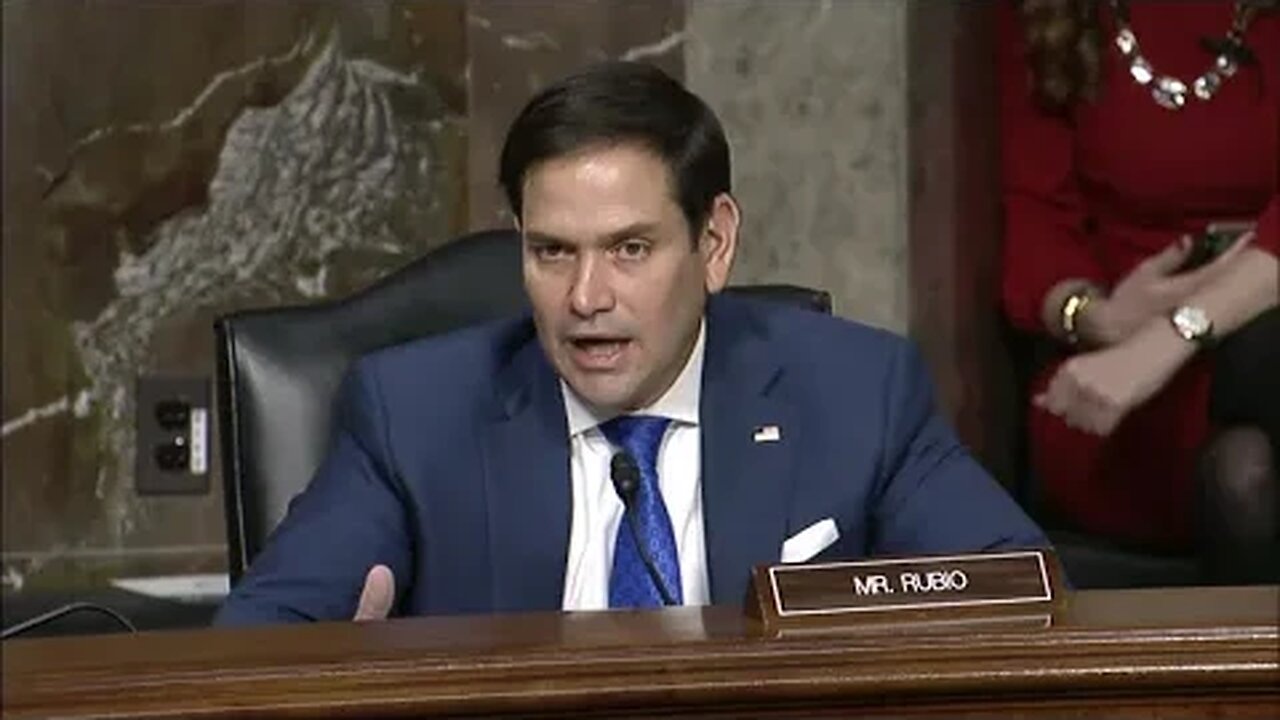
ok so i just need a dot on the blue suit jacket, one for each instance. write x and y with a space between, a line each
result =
450 464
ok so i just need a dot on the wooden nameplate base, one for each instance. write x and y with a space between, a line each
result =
975 587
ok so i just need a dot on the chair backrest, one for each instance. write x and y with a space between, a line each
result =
279 369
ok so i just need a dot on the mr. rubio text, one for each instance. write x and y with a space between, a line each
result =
919 583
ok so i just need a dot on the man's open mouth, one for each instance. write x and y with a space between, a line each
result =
598 352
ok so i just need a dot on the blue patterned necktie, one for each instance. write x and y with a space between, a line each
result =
630 584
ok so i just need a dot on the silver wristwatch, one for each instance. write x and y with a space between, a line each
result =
1193 324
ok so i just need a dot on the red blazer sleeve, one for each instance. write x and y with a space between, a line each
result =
1268 237
1268 232
1044 239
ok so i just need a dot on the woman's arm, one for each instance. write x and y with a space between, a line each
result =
1246 284
1248 287
1094 391
1045 250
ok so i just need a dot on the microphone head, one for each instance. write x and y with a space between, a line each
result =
625 474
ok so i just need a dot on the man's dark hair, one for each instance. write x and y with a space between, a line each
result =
618 103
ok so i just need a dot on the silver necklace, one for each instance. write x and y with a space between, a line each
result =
1168 91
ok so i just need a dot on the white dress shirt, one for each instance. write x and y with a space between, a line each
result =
597 509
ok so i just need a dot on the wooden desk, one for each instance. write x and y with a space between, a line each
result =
1135 653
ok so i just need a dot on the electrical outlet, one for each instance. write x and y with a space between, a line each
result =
172 421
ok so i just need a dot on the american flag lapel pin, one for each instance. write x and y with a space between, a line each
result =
767 434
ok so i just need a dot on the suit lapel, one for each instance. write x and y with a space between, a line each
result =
527 486
746 477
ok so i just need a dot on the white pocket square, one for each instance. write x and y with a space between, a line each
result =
806 544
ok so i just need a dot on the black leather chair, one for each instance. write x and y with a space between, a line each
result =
279 368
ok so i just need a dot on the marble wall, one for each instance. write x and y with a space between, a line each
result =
186 160
189 159
812 94
516 47
865 145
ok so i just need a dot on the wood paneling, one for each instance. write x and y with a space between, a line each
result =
954 224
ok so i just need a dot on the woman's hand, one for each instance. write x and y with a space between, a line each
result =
1094 391
1152 289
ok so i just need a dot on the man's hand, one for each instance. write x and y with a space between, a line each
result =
378 595
1150 290
1094 391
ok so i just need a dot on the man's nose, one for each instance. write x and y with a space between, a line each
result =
592 292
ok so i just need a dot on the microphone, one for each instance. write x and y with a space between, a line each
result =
626 481
625 475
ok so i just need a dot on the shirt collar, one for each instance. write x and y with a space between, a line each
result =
678 403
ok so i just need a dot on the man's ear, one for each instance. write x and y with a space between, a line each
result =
718 241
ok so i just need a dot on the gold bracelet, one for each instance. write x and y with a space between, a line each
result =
1071 309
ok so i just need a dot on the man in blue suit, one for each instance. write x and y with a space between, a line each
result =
639 441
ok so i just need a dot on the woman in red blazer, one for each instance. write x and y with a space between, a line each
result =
1128 129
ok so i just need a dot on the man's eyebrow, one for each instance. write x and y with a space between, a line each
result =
541 238
624 233
631 231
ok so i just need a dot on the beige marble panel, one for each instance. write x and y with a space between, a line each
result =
812 94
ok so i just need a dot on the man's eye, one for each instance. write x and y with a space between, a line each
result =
633 250
549 252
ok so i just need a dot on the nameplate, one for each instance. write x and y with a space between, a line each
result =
976 585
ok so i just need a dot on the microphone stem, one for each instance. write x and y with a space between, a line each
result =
667 599
56 613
